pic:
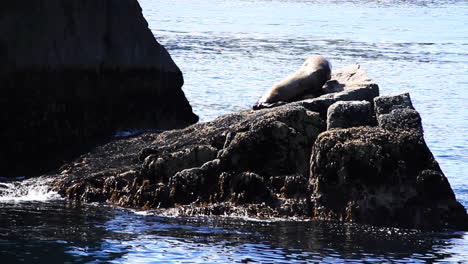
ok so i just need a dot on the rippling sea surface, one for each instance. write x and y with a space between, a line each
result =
230 52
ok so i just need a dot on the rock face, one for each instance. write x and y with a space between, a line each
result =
72 72
375 176
281 162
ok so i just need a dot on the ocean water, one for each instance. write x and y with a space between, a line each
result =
230 52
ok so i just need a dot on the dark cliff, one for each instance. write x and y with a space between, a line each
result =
74 72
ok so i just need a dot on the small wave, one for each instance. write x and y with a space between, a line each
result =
33 189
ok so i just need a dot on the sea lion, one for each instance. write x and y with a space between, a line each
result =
309 79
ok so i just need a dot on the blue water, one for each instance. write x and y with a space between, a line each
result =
59 232
230 52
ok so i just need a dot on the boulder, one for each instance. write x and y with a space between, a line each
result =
345 114
396 112
278 162
386 103
401 118
379 177
73 73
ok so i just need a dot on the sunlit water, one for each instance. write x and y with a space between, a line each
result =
230 52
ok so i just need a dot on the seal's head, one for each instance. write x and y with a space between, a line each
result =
319 65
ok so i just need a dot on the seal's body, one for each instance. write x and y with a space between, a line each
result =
309 79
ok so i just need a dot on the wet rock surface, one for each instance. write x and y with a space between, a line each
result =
72 73
280 162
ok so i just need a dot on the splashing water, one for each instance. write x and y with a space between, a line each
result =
34 189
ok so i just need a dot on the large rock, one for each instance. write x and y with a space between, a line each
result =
72 72
376 176
219 161
387 103
277 162
396 112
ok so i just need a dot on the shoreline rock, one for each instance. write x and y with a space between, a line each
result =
283 162
73 73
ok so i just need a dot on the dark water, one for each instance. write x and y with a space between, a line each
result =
58 232
230 52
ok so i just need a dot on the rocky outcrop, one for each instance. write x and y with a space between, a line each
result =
376 176
395 112
283 162
73 72
207 162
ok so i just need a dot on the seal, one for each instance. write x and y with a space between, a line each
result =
309 79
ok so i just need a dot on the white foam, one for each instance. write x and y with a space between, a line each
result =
34 189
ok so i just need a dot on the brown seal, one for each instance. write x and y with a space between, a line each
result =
309 79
